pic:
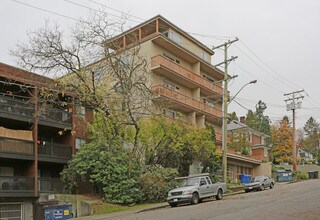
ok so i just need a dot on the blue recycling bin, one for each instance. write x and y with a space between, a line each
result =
58 212
248 179
241 178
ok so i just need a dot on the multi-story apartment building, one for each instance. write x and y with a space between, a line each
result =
182 73
37 138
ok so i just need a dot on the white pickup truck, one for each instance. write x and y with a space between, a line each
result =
194 189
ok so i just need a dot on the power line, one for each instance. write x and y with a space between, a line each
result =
285 79
45 10
280 80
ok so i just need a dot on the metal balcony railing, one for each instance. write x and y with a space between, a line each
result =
52 150
55 116
50 185
16 184
16 106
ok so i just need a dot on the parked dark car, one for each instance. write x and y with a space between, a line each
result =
259 183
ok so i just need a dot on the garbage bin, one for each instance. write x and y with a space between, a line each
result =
315 174
241 178
311 174
58 212
284 175
249 179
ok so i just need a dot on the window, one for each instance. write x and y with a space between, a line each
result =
169 113
265 152
203 181
262 140
249 136
11 211
170 86
171 58
173 36
208 180
79 142
6 171
81 112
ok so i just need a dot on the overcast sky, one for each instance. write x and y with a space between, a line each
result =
278 41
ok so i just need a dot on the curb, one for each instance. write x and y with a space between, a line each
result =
161 206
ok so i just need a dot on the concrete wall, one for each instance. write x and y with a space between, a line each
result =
263 169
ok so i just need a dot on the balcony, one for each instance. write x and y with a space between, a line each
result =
57 153
187 102
16 148
174 71
50 185
16 109
15 186
55 118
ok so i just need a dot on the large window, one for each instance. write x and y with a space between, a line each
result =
11 211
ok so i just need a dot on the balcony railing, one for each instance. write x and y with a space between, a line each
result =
16 146
175 68
54 152
16 107
55 116
50 185
16 186
187 101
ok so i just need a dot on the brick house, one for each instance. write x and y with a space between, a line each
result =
36 139
257 160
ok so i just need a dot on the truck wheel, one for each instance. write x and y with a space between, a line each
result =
173 204
195 198
271 186
219 195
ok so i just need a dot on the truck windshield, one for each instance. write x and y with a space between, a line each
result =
191 182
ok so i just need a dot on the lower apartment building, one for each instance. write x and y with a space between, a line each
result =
254 162
37 138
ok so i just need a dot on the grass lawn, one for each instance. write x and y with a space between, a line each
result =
105 208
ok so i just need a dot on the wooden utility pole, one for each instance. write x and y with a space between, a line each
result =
225 104
293 105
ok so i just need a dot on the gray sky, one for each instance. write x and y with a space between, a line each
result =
283 34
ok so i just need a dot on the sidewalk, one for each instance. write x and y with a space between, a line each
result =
149 208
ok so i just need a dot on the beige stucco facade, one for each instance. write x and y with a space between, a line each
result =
181 73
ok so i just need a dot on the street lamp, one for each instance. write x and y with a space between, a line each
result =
251 82
224 125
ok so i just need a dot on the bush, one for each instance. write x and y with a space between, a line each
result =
301 176
156 182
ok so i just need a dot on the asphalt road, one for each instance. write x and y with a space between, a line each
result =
299 200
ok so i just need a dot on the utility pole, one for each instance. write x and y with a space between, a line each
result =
293 105
225 104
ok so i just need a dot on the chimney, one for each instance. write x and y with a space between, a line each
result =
242 119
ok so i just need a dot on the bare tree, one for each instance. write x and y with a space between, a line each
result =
91 62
